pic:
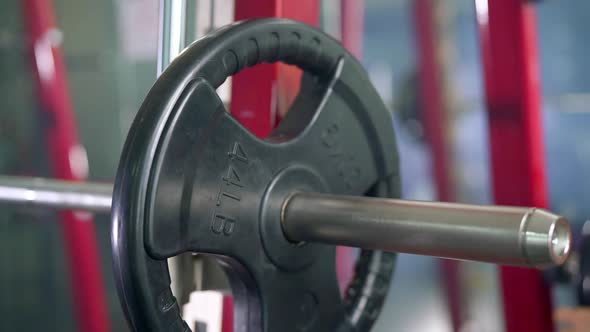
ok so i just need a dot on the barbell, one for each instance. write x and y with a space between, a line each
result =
192 179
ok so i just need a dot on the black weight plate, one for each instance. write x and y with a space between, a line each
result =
193 179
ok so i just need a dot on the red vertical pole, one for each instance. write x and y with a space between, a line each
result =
227 315
508 38
253 98
352 16
430 74
256 91
69 162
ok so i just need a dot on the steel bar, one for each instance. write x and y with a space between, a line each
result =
495 234
56 194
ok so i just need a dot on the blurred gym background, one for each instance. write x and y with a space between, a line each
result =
110 50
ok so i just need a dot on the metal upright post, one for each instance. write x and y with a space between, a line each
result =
171 41
508 37
171 33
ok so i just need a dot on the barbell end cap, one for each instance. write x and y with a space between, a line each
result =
547 238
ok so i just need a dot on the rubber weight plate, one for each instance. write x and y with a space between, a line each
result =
191 178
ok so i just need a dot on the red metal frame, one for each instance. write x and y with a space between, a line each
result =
261 94
276 84
227 314
64 147
352 21
430 74
508 37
